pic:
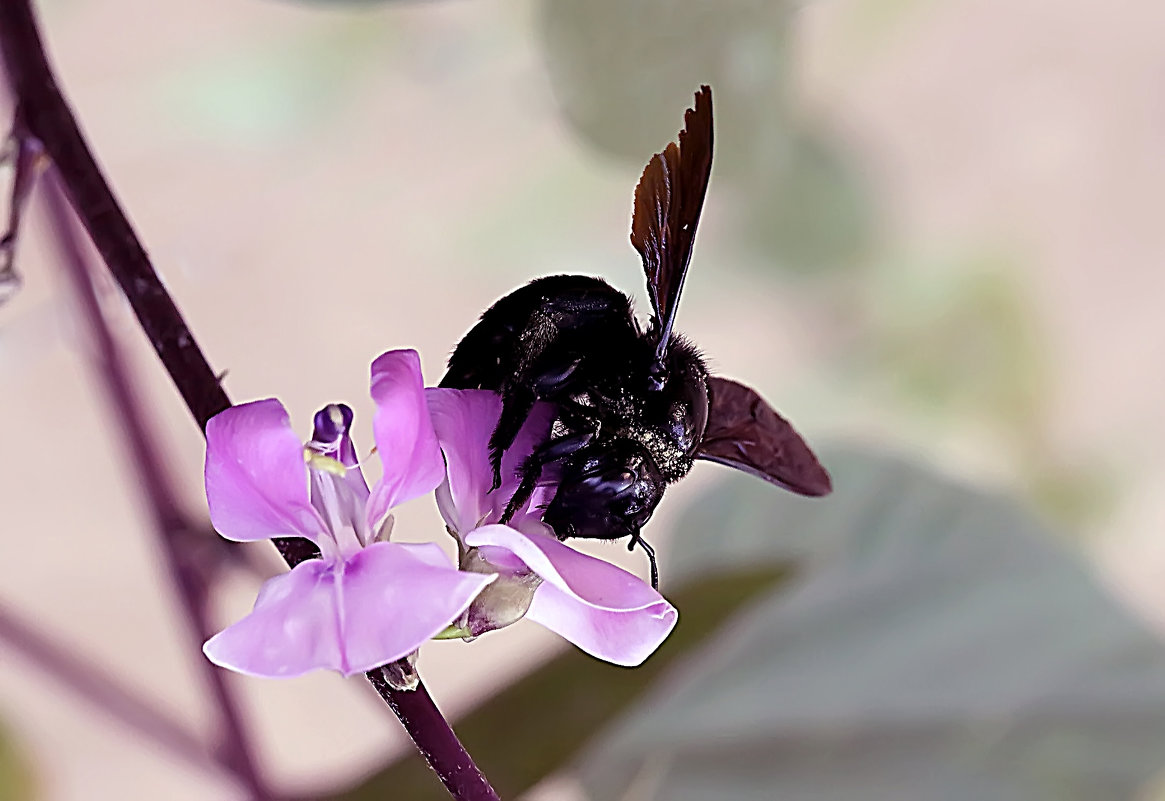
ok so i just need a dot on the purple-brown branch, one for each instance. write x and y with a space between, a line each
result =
92 684
44 112
172 526
440 746
48 118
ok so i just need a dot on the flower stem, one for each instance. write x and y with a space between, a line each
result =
173 528
436 741
48 118
92 684
45 113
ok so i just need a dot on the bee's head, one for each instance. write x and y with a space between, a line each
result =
606 494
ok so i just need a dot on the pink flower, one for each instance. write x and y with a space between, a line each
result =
365 601
601 608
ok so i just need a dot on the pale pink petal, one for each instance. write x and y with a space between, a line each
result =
404 434
621 637
256 479
464 421
293 629
430 553
377 607
398 596
601 608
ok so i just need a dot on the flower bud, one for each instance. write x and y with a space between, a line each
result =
507 599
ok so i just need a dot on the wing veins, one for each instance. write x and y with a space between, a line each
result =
668 201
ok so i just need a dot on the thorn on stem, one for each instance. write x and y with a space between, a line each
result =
21 158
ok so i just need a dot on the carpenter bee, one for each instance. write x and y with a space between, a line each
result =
634 406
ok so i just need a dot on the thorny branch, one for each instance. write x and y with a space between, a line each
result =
19 156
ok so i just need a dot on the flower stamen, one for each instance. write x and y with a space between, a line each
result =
323 463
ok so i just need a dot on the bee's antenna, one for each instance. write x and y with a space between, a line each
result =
647 549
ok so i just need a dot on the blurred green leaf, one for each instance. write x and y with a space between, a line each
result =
944 645
534 727
17 781
955 342
960 335
623 71
810 209
249 96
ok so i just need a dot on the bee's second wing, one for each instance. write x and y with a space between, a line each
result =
746 433
668 201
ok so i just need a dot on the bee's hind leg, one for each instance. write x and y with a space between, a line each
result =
532 465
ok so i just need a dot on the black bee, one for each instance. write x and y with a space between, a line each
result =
635 407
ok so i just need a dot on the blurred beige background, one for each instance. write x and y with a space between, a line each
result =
320 182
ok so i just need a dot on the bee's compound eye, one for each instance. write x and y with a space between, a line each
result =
688 416
682 425
623 481
656 378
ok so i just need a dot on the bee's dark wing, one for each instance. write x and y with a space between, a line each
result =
668 200
746 433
